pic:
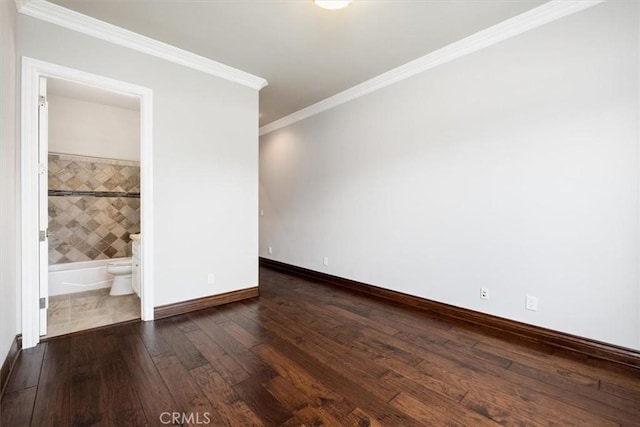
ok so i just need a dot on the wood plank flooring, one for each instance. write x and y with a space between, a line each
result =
309 354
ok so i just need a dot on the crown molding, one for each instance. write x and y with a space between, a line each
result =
21 3
529 20
72 20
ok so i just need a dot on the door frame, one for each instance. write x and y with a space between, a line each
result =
32 70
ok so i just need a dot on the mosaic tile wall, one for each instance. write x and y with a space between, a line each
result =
94 204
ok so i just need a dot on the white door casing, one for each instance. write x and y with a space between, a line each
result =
31 266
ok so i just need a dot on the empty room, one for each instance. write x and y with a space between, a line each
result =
319 213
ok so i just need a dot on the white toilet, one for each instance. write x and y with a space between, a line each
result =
121 277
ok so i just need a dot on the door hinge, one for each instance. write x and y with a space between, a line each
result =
43 100
44 234
43 302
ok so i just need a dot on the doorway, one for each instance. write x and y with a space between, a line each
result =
35 190
90 141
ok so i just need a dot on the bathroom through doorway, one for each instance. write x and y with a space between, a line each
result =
93 206
86 159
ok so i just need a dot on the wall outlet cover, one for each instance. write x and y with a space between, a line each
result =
531 303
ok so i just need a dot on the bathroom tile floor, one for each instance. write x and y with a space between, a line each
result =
85 310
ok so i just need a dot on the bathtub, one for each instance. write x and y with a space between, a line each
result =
83 276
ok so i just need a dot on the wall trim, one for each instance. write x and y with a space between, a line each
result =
75 21
492 324
9 363
205 302
512 27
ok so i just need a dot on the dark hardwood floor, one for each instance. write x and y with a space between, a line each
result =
309 354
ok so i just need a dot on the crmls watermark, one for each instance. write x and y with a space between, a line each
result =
185 418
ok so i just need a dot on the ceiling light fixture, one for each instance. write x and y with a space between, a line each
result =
332 4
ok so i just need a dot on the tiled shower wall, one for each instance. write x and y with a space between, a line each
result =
94 204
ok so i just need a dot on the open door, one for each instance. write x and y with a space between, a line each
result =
43 201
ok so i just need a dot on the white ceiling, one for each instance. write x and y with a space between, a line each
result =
91 94
306 53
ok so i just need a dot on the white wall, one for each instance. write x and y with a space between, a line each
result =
514 168
90 129
205 160
8 246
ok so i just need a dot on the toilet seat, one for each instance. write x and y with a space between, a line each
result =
118 268
119 263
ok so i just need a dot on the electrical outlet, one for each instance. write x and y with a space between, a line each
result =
531 303
261 212
270 250
211 279
484 293
325 261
